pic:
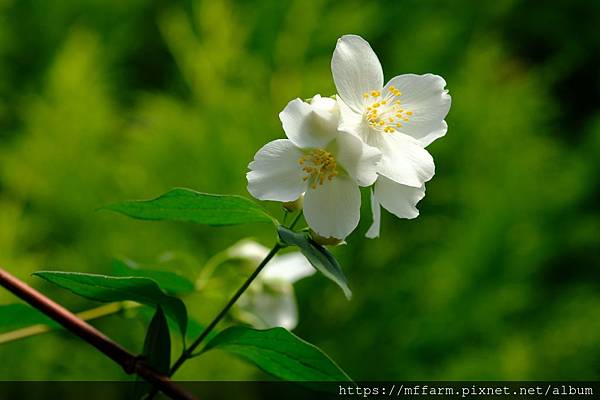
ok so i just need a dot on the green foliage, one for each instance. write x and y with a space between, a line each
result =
190 206
170 282
17 316
318 256
157 349
110 289
194 327
279 353
157 345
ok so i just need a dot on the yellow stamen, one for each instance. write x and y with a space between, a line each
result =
323 167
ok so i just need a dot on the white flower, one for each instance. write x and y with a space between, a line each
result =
270 300
400 200
326 165
400 119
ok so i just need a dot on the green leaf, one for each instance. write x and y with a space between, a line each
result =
317 255
191 206
17 316
157 345
279 353
157 350
171 282
109 289
194 328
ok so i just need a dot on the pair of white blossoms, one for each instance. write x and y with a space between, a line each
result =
367 134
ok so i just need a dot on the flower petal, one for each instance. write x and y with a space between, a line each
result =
249 250
325 107
310 125
351 121
400 200
275 173
427 99
357 158
333 209
287 268
356 70
270 308
404 158
373 231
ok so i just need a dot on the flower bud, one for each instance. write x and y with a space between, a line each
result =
295 205
325 241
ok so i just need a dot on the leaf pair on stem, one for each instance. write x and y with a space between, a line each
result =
276 351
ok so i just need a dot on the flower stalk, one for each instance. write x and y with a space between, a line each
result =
189 352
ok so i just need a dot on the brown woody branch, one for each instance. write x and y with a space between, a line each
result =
130 363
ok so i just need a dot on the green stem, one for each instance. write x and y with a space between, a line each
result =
209 268
285 215
190 350
88 315
295 221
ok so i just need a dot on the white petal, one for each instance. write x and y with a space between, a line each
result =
428 100
287 268
357 158
275 173
400 200
270 308
374 229
356 70
248 249
310 125
333 209
404 159
324 105
351 121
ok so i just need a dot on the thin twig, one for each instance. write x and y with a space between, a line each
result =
295 221
130 363
188 353
87 315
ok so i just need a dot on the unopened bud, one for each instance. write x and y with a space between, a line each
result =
295 205
325 241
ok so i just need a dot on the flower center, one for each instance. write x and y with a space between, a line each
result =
385 112
319 165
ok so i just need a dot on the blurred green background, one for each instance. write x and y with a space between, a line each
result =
106 100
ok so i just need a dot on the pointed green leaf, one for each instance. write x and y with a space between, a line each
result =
191 206
171 282
157 345
17 316
194 328
317 255
279 353
109 289
157 350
